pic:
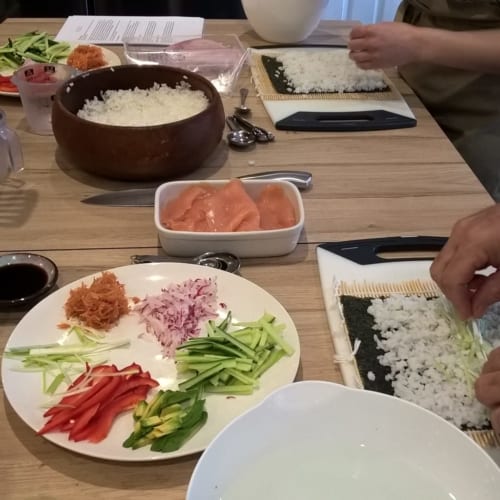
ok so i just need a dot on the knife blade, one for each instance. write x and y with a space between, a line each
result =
144 197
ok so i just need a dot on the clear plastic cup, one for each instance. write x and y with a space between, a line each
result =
37 84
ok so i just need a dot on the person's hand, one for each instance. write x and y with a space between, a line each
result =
474 244
383 45
488 387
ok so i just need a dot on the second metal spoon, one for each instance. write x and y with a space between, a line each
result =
243 108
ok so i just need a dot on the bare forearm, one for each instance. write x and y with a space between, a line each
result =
384 45
471 50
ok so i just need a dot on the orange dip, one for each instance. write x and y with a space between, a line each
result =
209 209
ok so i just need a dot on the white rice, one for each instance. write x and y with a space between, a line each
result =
144 107
426 363
326 70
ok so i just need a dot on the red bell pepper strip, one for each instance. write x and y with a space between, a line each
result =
90 377
102 424
95 394
83 419
108 391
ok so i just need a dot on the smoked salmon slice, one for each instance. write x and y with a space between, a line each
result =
276 210
228 209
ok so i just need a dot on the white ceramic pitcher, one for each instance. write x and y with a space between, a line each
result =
284 21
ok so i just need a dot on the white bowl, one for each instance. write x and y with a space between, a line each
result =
265 243
320 440
284 21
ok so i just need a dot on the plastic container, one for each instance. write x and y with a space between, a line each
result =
38 84
11 156
219 58
264 243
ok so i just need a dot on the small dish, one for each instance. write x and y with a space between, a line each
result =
260 243
26 278
219 58
317 439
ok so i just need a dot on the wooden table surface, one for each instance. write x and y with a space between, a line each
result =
369 184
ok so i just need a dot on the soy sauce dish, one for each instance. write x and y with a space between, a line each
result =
25 279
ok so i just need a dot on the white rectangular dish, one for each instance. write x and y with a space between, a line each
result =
262 243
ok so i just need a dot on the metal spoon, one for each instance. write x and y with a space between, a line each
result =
217 260
238 137
261 134
242 108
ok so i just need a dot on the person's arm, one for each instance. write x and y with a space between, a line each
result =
389 44
487 387
473 245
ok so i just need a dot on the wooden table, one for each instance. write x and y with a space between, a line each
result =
370 184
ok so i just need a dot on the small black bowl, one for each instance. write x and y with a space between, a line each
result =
25 278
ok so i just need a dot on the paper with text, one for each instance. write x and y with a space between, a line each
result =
113 29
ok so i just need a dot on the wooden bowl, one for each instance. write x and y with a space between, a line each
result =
135 153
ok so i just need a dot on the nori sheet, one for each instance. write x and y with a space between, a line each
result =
276 74
360 325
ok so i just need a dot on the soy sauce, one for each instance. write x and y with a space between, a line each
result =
21 280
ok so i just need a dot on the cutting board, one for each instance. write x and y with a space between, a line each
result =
329 112
360 262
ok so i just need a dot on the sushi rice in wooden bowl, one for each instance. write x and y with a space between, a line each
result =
160 140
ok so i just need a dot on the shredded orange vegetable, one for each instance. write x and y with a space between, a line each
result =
86 57
99 305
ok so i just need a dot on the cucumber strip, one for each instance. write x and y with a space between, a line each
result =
243 332
274 357
240 345
193 381
195 367
241 389
224 325
214 346
202 358
263 339
256 334
277 338
241 377
266 318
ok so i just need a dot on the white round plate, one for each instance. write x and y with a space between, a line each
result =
246 300
110 57
320 440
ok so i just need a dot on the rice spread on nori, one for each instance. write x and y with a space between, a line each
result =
319 71
409 349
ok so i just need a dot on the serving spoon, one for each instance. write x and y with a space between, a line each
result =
217 260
